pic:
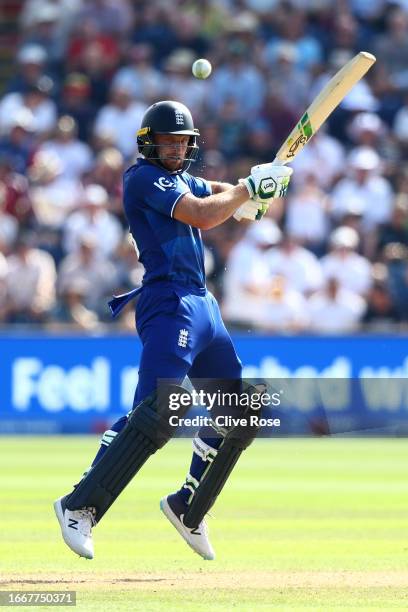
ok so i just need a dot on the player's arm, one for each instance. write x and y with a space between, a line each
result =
212 210
265 182
252 209
218 187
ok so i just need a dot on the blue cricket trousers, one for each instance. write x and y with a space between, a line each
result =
183 334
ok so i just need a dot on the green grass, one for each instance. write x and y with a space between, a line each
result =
303 523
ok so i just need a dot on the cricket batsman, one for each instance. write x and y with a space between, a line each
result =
180 326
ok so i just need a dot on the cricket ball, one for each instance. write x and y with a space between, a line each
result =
201 68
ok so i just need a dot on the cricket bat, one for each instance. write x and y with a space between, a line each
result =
323 105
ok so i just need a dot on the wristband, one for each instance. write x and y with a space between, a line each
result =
249 184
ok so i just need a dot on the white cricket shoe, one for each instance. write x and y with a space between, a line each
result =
196 537
76 527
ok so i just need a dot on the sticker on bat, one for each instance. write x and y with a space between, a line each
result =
306 132
306 126
301 140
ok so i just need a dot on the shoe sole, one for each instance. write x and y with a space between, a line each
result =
60 516
174 520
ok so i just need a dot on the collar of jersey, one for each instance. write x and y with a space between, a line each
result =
144 162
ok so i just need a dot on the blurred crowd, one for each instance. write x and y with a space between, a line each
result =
331 258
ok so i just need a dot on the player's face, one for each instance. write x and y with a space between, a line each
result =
172 150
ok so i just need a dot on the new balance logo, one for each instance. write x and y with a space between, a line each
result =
179 117
195 532
73 524
183 337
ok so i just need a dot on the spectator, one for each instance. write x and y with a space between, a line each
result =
74 156
88 265
213 17
307 51
88 41
381 313
53 195
95 55
366 184
179 83
76 102
114 17
397 228
120 119
279 115
45 31
297 265
258 143
31 66
139 76
30 283
186 27
335 309
239 80
344 264
3 286
71 308
231 130
17 144
306 217
67 10
129 270
247 276
322 150
154 26
395 257
8 224
367 130
17 202
284 69
285 309
35 99
107 172
392 48
346 36
93 219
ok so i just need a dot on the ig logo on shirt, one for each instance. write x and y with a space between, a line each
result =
163 183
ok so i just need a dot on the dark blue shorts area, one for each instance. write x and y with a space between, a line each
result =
183 334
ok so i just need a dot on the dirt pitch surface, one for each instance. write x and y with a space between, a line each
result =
204 580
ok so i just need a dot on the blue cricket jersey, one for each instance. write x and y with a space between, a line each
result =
168 249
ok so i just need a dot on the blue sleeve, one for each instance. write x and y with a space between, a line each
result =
199 187
149 187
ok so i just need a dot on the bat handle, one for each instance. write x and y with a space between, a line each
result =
279 162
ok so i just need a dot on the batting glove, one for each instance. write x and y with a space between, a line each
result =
253 209
247 210
268 181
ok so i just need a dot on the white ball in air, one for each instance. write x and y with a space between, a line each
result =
201 68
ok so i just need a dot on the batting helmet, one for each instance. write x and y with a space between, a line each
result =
167 117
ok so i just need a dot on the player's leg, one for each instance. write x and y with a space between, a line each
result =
216 368
161 356
205 448
145 430
215 451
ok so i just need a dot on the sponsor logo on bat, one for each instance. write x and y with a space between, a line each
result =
306 132
306 126
301 140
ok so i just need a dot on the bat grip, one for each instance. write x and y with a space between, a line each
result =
279 162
